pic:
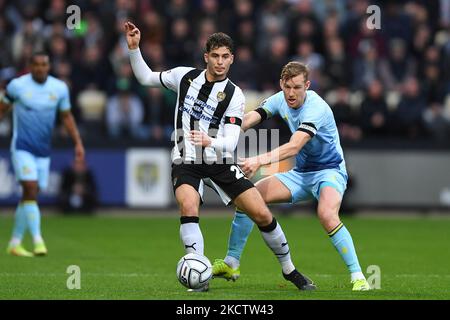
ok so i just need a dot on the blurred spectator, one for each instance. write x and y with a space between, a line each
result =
160 113
30 36
125 115
332 37
409 112
437 122
369 67
179 45
374 111
305 53
244 68
347 119
399 65
365 38
78 191
270 66
93 71
337 67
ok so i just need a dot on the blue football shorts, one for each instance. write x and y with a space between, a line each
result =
28 167
307 185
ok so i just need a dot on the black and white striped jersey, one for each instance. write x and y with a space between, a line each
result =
201 105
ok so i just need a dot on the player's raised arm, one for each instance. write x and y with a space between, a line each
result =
141 70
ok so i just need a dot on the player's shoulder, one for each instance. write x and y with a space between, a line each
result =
58 84
238 94
21 79
315 100
182 70
237 89
276 100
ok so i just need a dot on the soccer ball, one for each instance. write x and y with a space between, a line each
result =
194 271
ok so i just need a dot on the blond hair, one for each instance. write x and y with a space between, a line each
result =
293 69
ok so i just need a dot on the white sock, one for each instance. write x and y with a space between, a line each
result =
357 276
276 240
232 262
192 237
38 239
15 242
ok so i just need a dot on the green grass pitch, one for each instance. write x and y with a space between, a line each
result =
135 258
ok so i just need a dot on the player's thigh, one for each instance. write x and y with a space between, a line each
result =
252 203
188 188
329 186
298 185
273 190
329 201
188 200
43 169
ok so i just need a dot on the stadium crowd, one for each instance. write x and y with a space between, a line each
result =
389 82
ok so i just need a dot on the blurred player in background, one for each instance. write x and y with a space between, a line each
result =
35 99
209 112
319 171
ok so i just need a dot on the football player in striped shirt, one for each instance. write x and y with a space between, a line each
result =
208 118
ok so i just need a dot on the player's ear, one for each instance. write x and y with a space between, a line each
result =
281 84
205 56
307 84
232 59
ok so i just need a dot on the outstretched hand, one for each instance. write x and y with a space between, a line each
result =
133 35
249 165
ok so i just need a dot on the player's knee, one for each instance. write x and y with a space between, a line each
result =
189 207
262 216
328 217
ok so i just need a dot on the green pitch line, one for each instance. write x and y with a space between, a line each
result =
136 257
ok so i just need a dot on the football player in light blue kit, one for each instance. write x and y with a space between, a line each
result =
35 97
319 171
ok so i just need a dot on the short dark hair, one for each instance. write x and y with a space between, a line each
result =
217 40
38 54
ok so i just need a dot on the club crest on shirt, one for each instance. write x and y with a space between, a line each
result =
221 96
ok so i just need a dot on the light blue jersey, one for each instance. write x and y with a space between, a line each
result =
315 117
34 112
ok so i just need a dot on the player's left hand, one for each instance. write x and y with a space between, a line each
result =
199 138
79 152
249 165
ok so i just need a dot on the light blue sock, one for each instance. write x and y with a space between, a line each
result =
33 215
20 224
342 241
240 230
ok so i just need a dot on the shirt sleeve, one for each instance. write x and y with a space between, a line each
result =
235 111
64 100
171 79
312 120
269 107
11 93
